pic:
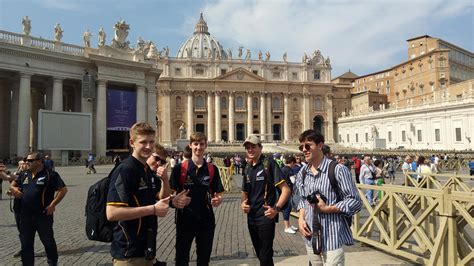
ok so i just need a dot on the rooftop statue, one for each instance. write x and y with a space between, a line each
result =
260 55
267 56
58 33
86 38
26 25
140 44
305 58
248 55
239 55
101 37
166 51
229 53
285 57
152 51
121 32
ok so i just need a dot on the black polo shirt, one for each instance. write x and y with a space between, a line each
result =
198 215
38 190
260 188
131 185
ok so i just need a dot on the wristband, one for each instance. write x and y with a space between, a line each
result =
171 204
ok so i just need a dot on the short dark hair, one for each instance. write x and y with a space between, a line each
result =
311 135
187 153
326 150
290 159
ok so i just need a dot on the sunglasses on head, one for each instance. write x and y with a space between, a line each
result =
158 159
306 146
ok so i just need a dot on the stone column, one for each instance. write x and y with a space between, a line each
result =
151 98
57 106
263 129
210 114
87 106
190 114
24 115
249 115
231 117
57 95
305 110
269 117
101 119
14 121
5 110
166 117
330 117
286 119
218 116
141 104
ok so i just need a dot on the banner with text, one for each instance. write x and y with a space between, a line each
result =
121 109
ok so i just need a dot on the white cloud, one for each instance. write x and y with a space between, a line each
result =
355 34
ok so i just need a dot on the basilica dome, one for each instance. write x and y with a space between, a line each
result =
201 45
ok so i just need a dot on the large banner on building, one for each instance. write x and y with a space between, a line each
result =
121 109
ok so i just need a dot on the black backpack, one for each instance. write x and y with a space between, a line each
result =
98 228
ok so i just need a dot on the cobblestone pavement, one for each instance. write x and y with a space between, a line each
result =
232 244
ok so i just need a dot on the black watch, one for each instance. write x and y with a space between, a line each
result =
171 204
278 209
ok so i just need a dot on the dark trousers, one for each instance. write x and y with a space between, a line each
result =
357 178
184 239
18 222
262 239
43 224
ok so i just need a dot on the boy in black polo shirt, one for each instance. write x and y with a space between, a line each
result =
131 202
197 219
259 200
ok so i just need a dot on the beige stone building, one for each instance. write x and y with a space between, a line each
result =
433 64
230 95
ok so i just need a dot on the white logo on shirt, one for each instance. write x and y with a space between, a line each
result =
259 172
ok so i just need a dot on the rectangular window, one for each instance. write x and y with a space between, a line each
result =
177 71
255 72
340 138
347 137
437 135
458 134
418 133
404 136
224 116
317 74
276 74
199 71
223 71
357 137
255 117
390 136
366 137
200 116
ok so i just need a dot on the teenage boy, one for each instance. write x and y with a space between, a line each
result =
132 202
202 183
331 215
262 176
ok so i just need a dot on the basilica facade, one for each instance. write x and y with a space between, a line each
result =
226 94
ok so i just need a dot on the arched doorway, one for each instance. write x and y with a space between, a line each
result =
276 131
318 122
200 128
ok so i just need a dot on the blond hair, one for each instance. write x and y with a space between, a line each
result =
142 129
197 137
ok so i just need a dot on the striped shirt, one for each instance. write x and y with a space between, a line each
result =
335 230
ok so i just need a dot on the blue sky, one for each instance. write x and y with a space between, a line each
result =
364 36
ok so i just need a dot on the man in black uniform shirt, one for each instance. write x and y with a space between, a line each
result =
197 219
131 202
37 189
259 198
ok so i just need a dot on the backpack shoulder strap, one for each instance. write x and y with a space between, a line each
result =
210 168
183 172
333 180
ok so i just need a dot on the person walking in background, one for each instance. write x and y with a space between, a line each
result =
48 163
471 166
367 174
423 169
90 164
391 169
357 164
288 172
380 179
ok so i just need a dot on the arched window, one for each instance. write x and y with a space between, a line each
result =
200 102
255 103
239 102
318 104
178 102
276 103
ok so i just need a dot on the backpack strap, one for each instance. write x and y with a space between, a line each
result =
210 169
183 172
333 180
45 187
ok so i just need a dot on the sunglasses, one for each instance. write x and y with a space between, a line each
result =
158 159
30 160
306 146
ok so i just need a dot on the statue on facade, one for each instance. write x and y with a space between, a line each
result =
285 57
166 51
182 131
86 38
152 51
121 32
189 52
239 55
26 25
260 55
267 56
101 37
140 44
229 53
305 58
248 55
58 33
209 53
328 62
